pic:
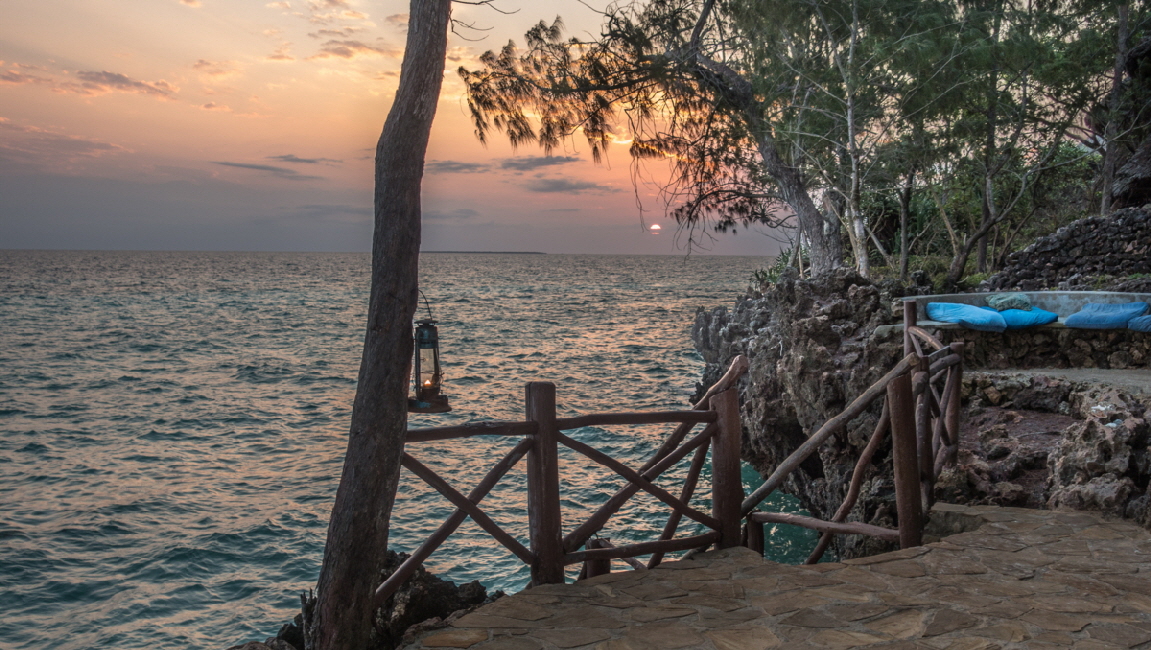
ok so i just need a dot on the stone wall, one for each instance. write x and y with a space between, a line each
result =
1076 256
1052 348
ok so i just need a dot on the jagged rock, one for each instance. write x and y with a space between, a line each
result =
421 598
811 349
1096 253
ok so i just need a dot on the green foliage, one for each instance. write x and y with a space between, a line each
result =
958 116
767 276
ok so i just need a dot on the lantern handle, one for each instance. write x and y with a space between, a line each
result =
426 305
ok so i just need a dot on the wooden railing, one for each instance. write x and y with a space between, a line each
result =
922 418
924 423
550 550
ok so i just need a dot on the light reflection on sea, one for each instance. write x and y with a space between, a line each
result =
172 424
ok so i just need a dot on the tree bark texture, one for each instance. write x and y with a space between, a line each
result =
1111 131
358 530
824 246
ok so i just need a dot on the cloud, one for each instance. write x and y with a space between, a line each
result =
454 167
317 5
278 5
192 3
281 54
460 54
342 32
292 158
564 186
398 20
213 106
215 69
352 49
16 77
99 83
531 163
33 146
439 215
278 172
338 212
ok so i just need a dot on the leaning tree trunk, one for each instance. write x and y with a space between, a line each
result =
341 616
824 246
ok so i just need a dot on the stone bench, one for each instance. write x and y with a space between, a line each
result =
1063 303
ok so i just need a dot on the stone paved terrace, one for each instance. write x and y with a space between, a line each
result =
1000 578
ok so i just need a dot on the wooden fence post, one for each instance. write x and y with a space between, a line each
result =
905 461
755 535
923 433
910 319
544 485
598 567
951 417
726 482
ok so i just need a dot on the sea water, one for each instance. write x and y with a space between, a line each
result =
172 425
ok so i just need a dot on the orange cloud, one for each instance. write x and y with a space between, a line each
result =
342 32
215 69
17 78
278 5
281 54
192 3
103 82
352 49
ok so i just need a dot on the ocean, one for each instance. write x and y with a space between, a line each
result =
172 424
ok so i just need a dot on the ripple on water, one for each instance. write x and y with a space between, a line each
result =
169 456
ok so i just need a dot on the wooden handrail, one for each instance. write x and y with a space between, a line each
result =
685 494
636 479
819 437
489 428
405 570
643 548
460 501
841 528
651 417
580 535
925 336
944 363
861 466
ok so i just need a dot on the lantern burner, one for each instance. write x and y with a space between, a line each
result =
427 376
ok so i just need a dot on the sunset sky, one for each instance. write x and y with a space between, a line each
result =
230 125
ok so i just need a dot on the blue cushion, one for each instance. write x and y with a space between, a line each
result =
1017 319
969 316
1102 316
1140 324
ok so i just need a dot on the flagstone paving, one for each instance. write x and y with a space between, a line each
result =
997 578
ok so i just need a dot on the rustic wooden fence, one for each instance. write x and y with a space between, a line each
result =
551 550
922 417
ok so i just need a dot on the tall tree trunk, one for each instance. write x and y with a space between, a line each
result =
904 217
341 616
825 249
1111 131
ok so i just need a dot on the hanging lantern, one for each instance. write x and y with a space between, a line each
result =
427 375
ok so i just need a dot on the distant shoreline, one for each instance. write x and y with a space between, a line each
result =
484 252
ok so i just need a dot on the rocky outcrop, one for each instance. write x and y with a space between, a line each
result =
1042 442
812 350
1078 255
1029 441
422 603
